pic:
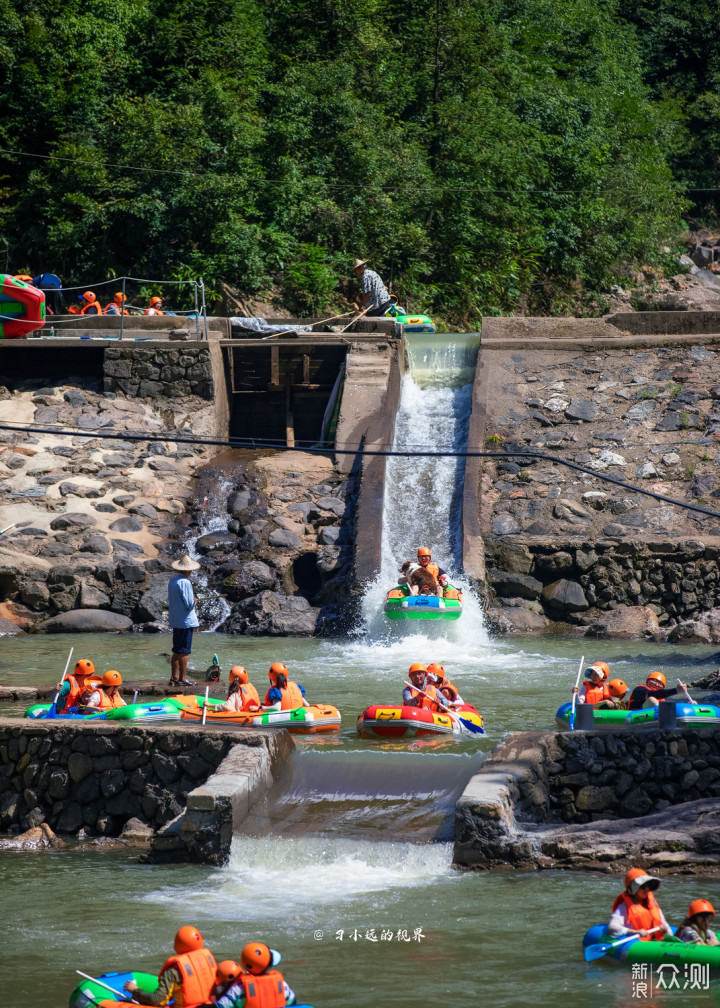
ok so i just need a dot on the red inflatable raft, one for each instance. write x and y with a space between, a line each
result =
22 308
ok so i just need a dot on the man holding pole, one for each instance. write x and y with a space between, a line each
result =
375 299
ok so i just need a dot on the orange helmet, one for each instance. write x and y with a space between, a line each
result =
417 667
89 296
658 677
424 551
118 296
227 971
601 668
112 678
154 300
257 957
188 939
436 669
449 692
238 672
276 669
84 667
617 687
637 877
700 906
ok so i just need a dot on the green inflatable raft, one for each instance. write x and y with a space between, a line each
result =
401 605
668 953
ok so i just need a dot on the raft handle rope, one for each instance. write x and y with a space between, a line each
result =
256 445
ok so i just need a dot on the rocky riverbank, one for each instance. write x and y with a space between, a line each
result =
96 523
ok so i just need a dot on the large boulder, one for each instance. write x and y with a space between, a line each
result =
253 577
274 615
84 621
565 596
703 630
626 622
517 619
8 628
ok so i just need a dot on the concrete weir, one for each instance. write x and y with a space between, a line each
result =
593 800
191 785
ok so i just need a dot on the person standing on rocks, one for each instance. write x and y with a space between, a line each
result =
183 619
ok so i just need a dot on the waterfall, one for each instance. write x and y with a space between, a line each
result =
423 496
213 517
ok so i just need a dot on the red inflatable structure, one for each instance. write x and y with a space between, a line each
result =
22 308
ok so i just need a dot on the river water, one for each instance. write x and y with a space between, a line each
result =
346 867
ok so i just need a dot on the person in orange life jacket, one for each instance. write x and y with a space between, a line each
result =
104 697
154 307
260 985
242 695
424 557
189 976
228 971
285 694
696 926
636 910
594 691
91 305
74 685
653 692
437 676
616 691
451 697
117 305
412 695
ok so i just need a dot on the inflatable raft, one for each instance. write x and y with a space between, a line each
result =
401 605
669 950
164 710
22 308
95 993
313 719
386 721
667 715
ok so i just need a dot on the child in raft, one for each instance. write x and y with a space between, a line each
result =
695 929
451 697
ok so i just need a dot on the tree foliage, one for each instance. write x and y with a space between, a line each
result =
486 155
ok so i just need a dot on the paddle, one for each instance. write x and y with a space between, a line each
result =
7 528
684 689
117 993
463 722
205 705
574 696
593 952
53 703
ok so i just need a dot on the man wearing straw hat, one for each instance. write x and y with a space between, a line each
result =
374 297
182 618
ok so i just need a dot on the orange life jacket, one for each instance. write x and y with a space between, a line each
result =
266 991
198 969
428 701
432 568
119 310
92 308
75 693
107 701
594 694
291 696
153 311
250 696
641 917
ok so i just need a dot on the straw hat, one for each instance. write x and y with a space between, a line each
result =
185 564
360 262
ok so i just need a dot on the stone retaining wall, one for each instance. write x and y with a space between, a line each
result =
172 372
96 777
676 580
534 782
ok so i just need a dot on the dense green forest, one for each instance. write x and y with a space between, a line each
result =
488 156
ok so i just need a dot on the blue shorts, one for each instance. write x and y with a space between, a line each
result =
182 641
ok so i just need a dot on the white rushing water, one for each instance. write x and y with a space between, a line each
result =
214 519
423 496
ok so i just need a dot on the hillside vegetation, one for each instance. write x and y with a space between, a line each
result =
488 156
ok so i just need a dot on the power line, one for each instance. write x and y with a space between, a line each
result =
314 180
359 451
